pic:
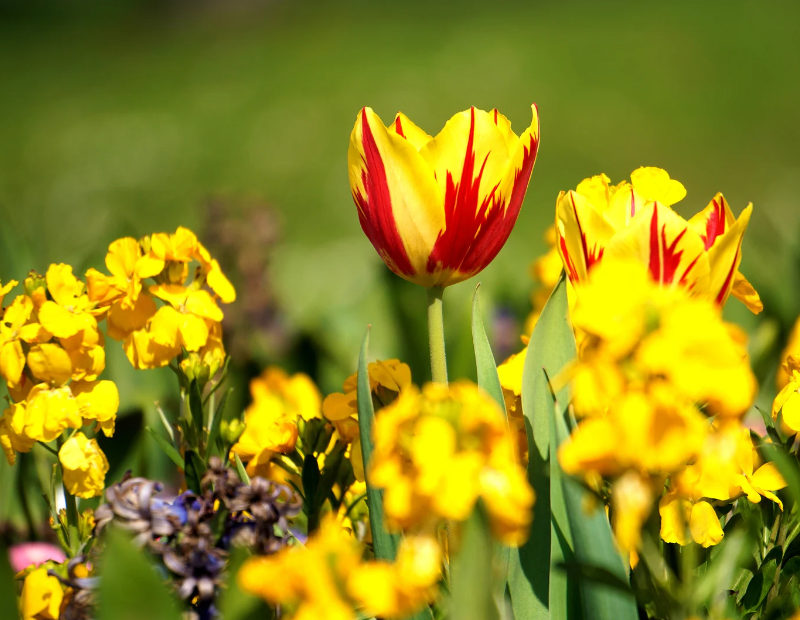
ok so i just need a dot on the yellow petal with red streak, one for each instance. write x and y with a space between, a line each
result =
724 258
582 234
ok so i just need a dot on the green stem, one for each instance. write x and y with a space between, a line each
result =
72 506
436 335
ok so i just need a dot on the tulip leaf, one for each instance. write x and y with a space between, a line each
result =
593 545
488 379
195 469
130 587
385 544
472 596
167 448
240 469
552 347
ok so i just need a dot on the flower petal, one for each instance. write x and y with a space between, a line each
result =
582 234
724 258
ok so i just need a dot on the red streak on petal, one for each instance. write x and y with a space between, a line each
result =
633 203
398 127
375 209
477 228
715 224
671 258
495 116
573 273
593 255
728 279
685 277
655 250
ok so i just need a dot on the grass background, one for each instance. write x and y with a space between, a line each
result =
125 118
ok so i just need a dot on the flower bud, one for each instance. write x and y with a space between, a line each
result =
231 431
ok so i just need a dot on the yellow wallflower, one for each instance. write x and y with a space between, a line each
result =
788 399
14 330
271 420
186 320
510 373
632 501
128 266
84 466
41 596
439 450
792 348
386 380
328 579
70 311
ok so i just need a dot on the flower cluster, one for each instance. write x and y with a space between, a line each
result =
327 578
655 362
440 450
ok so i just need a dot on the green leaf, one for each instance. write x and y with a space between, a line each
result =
240 469
488 379
167 448
219 414
762 581
130 587
552 347
195 469
196 409
593 545
472 597
8 591
385 544
311 479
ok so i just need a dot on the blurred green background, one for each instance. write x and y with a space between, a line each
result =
233 118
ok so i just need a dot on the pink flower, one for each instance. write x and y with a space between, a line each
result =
25 554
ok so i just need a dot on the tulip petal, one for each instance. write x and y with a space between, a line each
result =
660 238
483 186
724 258
399 203
713 221
583 234
405 128
744 292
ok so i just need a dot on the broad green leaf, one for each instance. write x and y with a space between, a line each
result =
167 448
130 586
213 432
472 596
488 380
195 469
311 479
593 545
552 348
8 591
385 544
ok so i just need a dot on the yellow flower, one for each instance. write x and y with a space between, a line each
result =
631 501
677 513
438 210
14 330
12 439
70 310
128 266
759 482
635 220
788 399
84 466
41 596
792 348
438 451
386 379
186 320
328 579
271 420
510 373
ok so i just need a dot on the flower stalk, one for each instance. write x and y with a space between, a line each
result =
436 335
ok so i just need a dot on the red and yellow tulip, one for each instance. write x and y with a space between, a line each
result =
438 210
636 220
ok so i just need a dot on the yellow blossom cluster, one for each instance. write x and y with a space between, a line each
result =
271 420
654 363
438 451
327 578
189 317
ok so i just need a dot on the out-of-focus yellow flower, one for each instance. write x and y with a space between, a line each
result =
635 221
792 348
632 501
787 401
14 330
328 579
84 466
41 596
386 380
438 210
439 450
202 365
684 520
271 420
510 373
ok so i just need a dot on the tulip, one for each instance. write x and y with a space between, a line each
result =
438 210
635 220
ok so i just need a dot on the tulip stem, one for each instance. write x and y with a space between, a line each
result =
436 335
